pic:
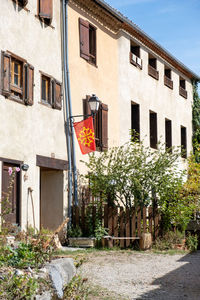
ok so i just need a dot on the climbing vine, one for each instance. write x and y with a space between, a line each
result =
196 122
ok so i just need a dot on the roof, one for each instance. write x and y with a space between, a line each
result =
130 26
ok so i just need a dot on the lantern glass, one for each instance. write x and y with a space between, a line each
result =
94 103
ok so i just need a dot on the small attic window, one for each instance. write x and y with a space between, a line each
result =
152 67
168 78
135 55
182 88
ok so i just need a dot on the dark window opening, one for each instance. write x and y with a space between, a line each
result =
183 142
135 121
135 50
153 130
92 44
46 89
182 83
168 73
168 135
153 63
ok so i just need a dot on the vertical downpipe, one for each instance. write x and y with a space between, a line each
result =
67 125
70 107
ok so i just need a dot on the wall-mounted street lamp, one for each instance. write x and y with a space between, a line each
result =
25 167
94 103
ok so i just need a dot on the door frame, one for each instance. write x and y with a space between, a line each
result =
15 163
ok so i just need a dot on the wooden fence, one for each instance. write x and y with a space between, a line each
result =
120 222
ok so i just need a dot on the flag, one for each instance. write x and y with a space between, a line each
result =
85 135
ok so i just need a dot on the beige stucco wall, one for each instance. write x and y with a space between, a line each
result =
30 130
137 86
86 79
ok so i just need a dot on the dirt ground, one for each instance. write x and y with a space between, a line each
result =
135 275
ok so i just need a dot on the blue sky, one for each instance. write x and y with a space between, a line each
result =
175 24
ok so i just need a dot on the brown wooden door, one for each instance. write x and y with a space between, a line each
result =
10 195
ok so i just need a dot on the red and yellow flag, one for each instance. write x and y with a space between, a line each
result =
85 135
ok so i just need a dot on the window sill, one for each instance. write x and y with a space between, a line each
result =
43 21
13 98
45 104
89 62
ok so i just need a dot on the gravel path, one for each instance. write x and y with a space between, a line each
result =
146 275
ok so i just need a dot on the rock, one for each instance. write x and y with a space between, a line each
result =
61 271
44 296
145 241
10 240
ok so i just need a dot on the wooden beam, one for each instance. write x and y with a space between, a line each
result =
51 163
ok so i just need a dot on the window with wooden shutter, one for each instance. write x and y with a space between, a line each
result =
100 124
46 10
17 78
6 65
56 95
104 124
135 121
183 142
168 135
153 130
51 91
28 84
87 34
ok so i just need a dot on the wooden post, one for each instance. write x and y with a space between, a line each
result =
121 226
110 226
115 223
83 218
144 220
133 223
105 216
150 219
127 227
139 222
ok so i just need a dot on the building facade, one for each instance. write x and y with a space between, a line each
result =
140 85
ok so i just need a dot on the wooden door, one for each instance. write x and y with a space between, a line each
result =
10 195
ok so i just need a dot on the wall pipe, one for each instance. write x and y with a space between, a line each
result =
70 107
67 125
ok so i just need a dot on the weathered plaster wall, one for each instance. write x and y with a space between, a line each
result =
137 86
30 130
86 79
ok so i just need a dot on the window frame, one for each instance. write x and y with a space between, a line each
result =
182 87
152 68
135 137
168 78
183 142
153 136
135 56
46 20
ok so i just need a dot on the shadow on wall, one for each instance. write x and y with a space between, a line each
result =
182 283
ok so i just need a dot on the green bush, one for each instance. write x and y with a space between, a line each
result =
168 240
192 242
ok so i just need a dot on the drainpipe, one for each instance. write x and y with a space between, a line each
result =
68 90
67 126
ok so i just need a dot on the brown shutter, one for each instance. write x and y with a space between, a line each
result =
6 61
28 84
46 9
104 127
23 2
56 94
86 107
84 38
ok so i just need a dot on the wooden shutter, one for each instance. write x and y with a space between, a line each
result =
84 38
86 107
6 62
56 94
104 127
153 130
22 2
46 9
28 84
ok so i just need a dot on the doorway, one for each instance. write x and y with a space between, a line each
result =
10 204
51 198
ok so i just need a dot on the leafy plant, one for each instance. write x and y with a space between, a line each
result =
74 231
196 122
192 242
100 231
76 289
168 240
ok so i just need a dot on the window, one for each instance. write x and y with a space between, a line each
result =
153 129
167 78
135 121
51 92
152 67
17 78
87 41
100 124
135 55
45 10
168 135
183 142
182 89
22 3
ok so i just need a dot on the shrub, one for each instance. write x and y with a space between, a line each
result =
192 242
